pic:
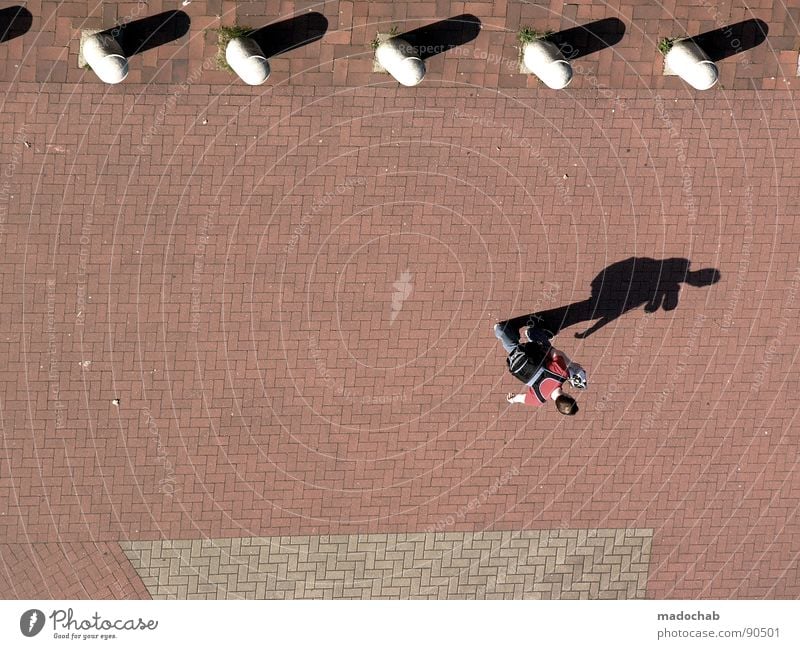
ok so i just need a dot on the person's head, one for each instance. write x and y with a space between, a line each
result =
566 404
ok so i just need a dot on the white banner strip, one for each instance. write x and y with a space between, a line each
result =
401 624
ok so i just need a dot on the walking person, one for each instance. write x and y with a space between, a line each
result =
540 366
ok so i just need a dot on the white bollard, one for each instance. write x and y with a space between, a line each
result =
104 55
400 59
247 60
544 59
691 64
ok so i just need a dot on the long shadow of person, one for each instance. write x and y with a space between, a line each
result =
623 286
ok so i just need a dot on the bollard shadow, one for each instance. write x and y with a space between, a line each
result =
14 21
621 287
287 35
734 39
587 39
147 33
444 35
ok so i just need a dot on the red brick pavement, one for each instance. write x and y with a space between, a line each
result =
49 51
227 262
71 570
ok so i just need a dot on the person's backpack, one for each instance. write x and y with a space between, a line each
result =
526 360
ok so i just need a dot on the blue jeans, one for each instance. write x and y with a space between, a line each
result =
507 332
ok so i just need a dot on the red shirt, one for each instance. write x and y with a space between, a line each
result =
548 385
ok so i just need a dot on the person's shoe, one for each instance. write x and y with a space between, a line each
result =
536 333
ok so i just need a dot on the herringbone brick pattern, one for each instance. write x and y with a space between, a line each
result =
275 376
48 570
546 564
232 311
343 57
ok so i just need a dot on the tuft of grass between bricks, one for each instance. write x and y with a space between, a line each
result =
665 45
375 42
527 35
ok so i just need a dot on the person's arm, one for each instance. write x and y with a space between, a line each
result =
555 354
568 363
515 398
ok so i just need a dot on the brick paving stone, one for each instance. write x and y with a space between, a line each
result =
547 564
